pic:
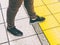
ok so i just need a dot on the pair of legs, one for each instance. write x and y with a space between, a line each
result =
14 7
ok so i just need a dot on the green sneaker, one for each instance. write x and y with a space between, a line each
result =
15 31
38 19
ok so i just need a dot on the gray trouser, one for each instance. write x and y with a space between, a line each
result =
13 8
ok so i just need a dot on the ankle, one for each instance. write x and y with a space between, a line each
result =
33 17
9 27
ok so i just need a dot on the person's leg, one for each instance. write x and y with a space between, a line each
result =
12 10
30 9
11 13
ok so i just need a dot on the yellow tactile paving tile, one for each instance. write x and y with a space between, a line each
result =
50 1
41 11
53 36
50 25
38 3
49 22
57 17
54 8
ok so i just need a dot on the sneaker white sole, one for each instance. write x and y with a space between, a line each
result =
36 22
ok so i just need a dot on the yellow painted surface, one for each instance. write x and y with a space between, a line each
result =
57 17
49 22
54 8
42 11
50 1
38 3
51 25
53 35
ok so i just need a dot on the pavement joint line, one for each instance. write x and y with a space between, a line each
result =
42 37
